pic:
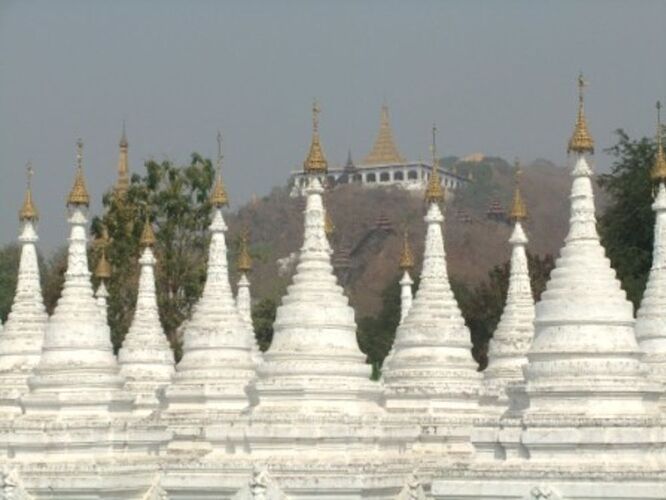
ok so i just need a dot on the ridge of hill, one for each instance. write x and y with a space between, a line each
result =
369 225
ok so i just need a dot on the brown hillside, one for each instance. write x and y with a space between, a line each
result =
369 226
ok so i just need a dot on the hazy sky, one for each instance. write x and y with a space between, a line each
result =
497 77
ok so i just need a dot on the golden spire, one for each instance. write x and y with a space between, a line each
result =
147 235
581 141
28 211
244 262
218 197
79 193
658 172
518 210
434 192
406 256
101 243
384 151
329 227
123 181
316 162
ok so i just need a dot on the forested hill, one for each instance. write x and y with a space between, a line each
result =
369 225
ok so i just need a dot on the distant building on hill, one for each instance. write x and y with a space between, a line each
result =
383 166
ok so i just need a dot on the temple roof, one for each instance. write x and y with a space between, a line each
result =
384 151
581 141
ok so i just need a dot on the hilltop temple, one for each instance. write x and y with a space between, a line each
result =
383 166
570 407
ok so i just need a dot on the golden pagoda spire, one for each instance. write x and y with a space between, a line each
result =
658 172
406 255
244 262
434 192
28 211
518 210
79 193
123 181
147 235
384 151
316 162
101 243
581 141
218 197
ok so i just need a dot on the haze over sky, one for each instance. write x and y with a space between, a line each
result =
497 77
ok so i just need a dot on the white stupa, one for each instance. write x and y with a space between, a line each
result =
23 334
244 266
218 358
651 316
146 359
406 282
318 414
591 427
76 438
430 376
507 350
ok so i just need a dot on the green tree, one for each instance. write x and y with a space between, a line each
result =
263 317
176 201
626 226
9 260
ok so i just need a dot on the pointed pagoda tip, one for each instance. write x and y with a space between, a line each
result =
434 192
123 138
406 255
79 196
218 196
518 211
581 141
28 211
148 239
103 268
658 171
244 262
384 150
315 162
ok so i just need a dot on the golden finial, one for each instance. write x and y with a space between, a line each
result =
28 211
581 141
123 138
434 192
316 162
103 268
384 150
147 235
79 193
406 256
123 180
218 197
658 172
244 262
329 227
518 210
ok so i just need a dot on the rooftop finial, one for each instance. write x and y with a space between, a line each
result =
581 141
518 210
103 268
147 234
434 192
316 162
28 211
658 172
244 262
123 180
384 151
406 255
123 138
218 197
79 193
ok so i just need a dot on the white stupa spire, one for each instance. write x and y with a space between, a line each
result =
431 367
314 363
146 359
77 371
589 396
22 337
507 350
101 297
244 266
406 282
218 345
651 316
